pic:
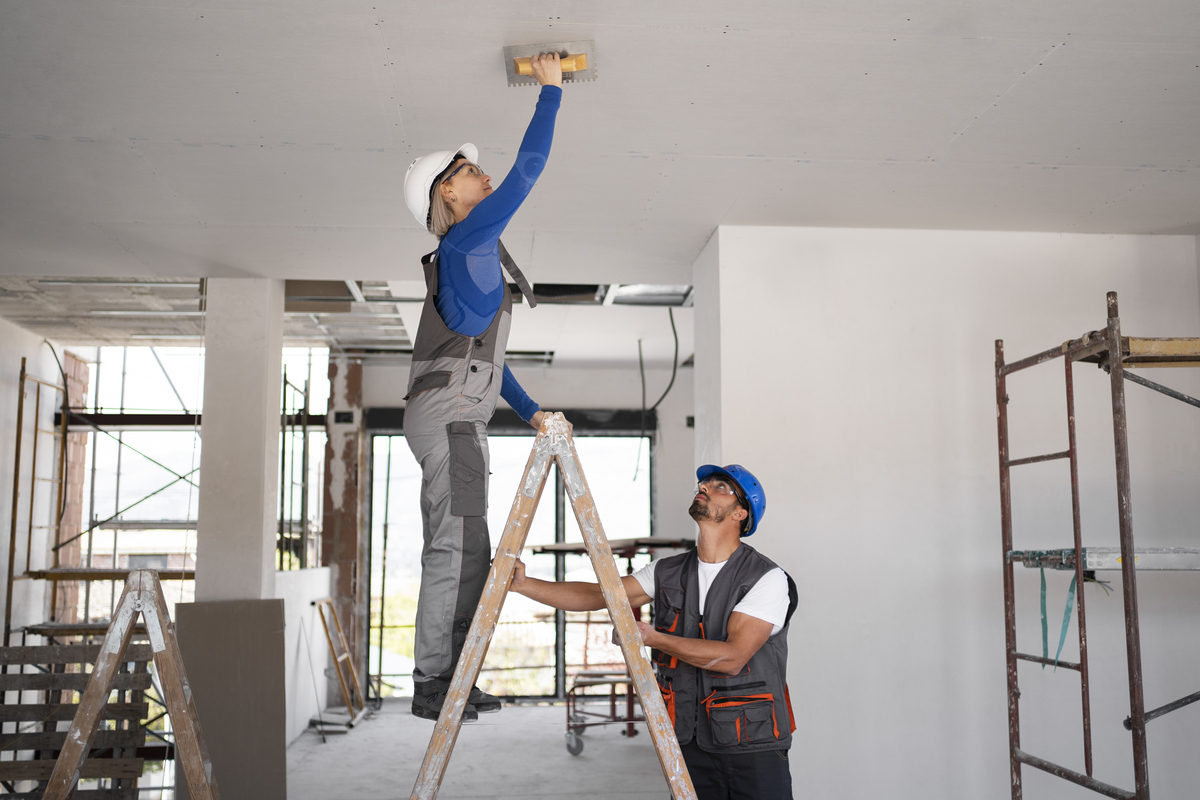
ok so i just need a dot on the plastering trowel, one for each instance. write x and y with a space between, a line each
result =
578 61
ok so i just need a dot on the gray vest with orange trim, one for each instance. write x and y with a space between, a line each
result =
740 713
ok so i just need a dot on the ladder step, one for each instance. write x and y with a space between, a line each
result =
92 768
69 681
1016 462
42 740
1049 661
66 654
31 712
51 629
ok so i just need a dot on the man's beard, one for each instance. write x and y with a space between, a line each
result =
699 511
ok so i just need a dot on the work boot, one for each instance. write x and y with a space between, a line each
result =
484 703
427 703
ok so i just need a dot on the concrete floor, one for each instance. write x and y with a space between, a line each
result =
517 753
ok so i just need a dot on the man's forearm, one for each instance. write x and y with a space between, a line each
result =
703 653
567 595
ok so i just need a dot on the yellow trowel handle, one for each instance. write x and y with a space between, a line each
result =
575 63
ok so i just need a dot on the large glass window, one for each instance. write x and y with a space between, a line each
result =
521 660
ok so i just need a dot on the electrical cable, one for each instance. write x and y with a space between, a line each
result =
657 403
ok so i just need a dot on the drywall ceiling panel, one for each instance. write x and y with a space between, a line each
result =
268 138
289 185
162 73
1084 103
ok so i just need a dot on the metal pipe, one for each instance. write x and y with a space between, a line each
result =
112 594
1133 647
1158 387
1016 462
60 507
1010 608
283 476
1077 527
1073 776
1049 662
16 494
37 413
387 491
304 477
87 585
1167 709
1032 361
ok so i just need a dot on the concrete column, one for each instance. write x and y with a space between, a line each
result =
231 638
239 464
344 537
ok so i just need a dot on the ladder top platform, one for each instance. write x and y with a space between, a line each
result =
1109 558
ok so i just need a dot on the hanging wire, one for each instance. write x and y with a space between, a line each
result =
642 374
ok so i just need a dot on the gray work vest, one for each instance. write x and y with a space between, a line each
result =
739 713
454 377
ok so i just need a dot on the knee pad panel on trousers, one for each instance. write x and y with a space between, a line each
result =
468 471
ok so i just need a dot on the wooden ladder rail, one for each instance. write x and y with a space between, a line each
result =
143 596
553 444
341 660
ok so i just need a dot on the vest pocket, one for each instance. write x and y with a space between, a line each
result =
745 719
439 379
668 695
468 476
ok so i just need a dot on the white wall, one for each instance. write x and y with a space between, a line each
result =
857 382
306 652
29 597
554 387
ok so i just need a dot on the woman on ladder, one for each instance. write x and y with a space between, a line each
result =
458 372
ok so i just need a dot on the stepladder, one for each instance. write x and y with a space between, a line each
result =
352 695
142 597
553 445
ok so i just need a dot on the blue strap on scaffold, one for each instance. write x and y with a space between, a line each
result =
1062 637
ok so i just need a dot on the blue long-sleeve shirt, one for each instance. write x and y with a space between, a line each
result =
470 280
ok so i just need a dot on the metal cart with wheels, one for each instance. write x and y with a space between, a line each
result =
579 718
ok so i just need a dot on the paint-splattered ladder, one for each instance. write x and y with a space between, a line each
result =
143 596
553 445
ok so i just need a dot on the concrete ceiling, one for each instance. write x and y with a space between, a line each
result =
268 138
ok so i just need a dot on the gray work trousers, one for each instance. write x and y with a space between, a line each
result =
456 554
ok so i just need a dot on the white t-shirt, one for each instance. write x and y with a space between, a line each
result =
767 600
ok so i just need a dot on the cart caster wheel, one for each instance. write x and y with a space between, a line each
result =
574 744
575 724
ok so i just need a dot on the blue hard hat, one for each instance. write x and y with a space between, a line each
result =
751 489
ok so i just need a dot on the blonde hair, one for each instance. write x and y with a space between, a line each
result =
441 218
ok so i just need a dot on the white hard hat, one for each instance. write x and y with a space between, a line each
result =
418 181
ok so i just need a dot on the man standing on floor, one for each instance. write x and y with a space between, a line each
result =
719 641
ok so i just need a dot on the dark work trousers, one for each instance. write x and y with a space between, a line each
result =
764 775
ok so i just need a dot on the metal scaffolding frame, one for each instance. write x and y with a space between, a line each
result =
1113 353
